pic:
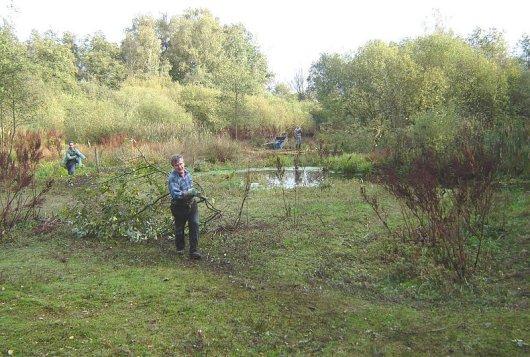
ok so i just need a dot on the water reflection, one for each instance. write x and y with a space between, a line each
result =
292 177
268 177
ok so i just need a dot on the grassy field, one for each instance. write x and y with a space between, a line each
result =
324 280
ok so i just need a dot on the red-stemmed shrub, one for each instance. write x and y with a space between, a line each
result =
21 196
445 194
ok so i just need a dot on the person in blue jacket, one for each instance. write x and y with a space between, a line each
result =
183 206
72 158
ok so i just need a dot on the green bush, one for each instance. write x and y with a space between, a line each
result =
285 160
349 164
91 119
153 112
510 137
346 138
221 150
203 104
310 158
50 106
157 109
49 170
390 83
270 115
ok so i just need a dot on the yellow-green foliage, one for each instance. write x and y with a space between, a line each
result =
436 128
51 111
388 82
158 109
221 149
270 114
91 118
254 114
345 138
204 104
279 160
198 147
146 107
456 72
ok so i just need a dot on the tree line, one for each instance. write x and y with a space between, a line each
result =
216 75
185 71
192 48
387 83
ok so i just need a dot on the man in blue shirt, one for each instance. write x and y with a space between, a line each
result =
183 206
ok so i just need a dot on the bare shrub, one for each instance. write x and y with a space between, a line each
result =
21 197
245 196
445 196
280 175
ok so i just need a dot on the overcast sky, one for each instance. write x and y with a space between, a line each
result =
291 33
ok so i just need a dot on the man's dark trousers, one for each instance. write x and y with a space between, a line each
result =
182 213
70 166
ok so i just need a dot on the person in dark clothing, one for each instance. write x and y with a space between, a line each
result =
298 137
183 206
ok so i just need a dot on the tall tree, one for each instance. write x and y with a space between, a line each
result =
242 64
299 84
491 43
163 32
282 90
202 51
520 83
476 84
195 47
390 83
71 42
53 60
330 79
524 50
141 47
16 100
102 61
242 71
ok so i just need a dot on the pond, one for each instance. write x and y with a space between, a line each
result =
267 177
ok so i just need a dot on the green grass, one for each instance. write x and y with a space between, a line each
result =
349 164
324 281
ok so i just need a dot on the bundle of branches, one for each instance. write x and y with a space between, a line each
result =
133 204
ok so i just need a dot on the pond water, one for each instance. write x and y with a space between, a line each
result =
292 177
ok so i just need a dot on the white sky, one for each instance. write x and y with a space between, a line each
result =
291 33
